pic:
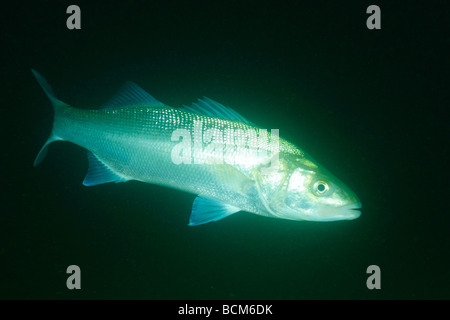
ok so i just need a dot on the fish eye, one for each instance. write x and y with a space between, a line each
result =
321 187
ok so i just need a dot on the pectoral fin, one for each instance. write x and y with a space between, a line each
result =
232 177
206 210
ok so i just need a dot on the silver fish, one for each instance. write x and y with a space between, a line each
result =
206 149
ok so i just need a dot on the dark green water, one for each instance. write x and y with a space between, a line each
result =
367 104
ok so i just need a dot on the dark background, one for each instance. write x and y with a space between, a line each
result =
370 105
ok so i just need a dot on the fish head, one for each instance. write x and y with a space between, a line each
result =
302 190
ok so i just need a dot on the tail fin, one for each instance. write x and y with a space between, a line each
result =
57 107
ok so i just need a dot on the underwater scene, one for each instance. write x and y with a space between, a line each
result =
225 150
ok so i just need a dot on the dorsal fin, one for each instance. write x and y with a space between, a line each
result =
213 108
132 95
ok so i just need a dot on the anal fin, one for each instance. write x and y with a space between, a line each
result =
99 173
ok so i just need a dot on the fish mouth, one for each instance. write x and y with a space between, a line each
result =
346 212
353 209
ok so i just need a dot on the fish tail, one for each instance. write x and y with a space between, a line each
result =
58 107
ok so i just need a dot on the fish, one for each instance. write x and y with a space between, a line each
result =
206 149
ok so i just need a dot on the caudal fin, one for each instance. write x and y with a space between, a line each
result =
57 107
